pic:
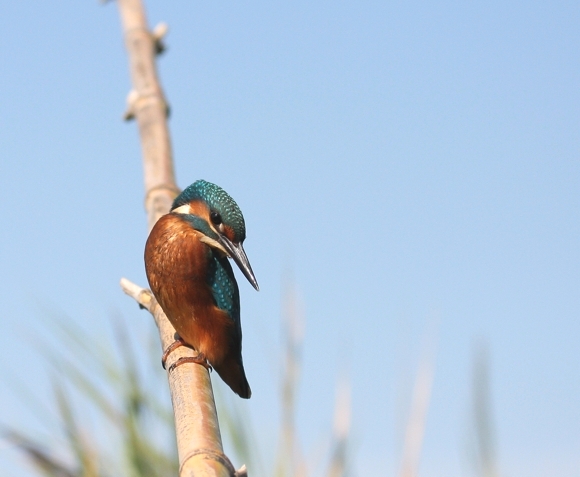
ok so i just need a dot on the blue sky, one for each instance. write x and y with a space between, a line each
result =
404 162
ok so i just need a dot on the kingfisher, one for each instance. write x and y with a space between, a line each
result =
186 260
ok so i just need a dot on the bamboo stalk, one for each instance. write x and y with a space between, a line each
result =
199 442
198 436
146 102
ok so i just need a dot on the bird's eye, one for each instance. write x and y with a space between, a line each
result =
215 218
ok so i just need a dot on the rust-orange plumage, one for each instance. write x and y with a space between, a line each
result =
186 260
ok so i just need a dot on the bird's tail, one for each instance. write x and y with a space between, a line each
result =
233 374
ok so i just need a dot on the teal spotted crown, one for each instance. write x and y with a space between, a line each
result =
218 200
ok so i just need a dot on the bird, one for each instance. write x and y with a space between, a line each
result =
187 266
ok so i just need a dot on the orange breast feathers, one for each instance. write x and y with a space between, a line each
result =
176 265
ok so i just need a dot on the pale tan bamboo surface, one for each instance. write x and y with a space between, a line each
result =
198 436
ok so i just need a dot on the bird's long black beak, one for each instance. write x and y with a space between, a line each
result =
237 253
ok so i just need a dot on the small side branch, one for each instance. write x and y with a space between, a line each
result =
144 298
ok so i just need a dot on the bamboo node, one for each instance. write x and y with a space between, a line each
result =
173 190
140 100
158 34
208 454
242 471
132 98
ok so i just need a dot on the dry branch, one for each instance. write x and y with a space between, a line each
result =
146 103
198 437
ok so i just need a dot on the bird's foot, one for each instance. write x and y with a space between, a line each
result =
171 348
199 359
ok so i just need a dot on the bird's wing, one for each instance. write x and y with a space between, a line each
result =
220 276
225 288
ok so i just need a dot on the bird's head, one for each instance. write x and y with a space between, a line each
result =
220 220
